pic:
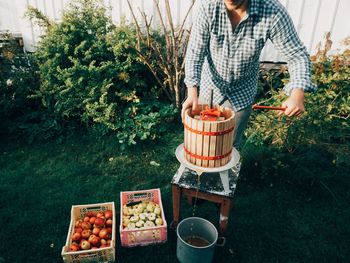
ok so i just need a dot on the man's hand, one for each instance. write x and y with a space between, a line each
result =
191 101
294 104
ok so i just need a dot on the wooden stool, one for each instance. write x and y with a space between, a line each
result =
211 188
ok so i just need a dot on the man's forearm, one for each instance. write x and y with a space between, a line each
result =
297 94
192 92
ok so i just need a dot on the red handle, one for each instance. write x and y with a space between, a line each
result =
268 107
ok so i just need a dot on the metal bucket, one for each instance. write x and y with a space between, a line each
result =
196 227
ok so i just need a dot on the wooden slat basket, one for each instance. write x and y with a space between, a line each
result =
208 143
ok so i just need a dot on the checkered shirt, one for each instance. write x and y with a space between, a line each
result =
227 60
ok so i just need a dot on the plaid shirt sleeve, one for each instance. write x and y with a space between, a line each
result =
197 47
286 40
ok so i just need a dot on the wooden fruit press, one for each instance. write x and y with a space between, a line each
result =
209 165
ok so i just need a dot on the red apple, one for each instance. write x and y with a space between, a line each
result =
92 219
103 241
78 223
103 233
76 236
86 233
108 214
74 247
95 231
91 237
109 242
109 222
90 214
78 230
86 219
85 245
99 214
109 230
94 240
99 222
85 225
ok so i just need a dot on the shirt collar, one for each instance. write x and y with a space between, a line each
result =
253 8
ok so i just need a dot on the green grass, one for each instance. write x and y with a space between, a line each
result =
289 207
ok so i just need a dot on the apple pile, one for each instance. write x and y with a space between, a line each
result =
93 231
143 214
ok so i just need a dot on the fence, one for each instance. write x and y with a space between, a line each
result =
312 18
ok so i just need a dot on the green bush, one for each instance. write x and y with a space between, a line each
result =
327 110
90 74
20 112
18 79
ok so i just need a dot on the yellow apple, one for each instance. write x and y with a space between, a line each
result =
150 207
148 224
131 226
142 216
151 216
139 223
159 221
126 222
157 210
134 218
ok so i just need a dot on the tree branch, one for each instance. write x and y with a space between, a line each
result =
138 29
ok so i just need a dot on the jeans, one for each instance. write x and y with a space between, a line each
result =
241 121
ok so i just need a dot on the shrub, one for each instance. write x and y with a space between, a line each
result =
328 109
18 79
90 74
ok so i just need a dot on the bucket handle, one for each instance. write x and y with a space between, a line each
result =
221 241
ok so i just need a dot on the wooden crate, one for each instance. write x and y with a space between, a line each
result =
144 236
208 143
106 254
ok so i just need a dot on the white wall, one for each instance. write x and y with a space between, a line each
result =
312 18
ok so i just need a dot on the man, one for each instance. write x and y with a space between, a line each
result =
223 54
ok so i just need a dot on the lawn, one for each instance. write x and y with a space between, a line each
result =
289 206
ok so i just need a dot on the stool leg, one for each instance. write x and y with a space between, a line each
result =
176 204
225 208
190 200
225 181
